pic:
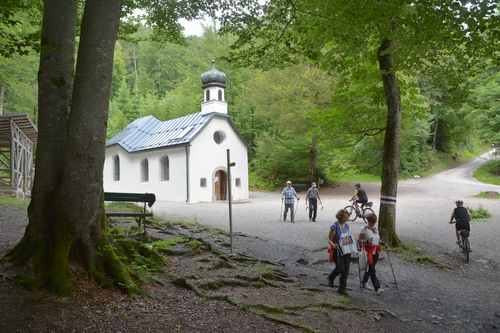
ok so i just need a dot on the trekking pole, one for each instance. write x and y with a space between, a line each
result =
392 269
281 210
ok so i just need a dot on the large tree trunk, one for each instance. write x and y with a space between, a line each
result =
390 170
55 81
81 187
67 208
313 159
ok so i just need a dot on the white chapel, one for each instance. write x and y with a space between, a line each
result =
182 159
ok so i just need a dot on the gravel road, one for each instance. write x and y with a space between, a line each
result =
424 208
461 298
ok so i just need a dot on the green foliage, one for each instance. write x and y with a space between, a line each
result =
13 202
489 173
488 195
123 206
479 213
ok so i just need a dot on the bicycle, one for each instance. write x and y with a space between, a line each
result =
355 211
464 244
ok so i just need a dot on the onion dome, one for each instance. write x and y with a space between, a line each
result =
213 77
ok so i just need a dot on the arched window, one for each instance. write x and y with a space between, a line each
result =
207 95
116 168
220 95
165 168
144 170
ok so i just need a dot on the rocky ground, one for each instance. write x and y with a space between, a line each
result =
202 289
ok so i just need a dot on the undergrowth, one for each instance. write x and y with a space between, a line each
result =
479 213
411 253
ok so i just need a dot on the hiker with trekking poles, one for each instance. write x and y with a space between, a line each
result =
369 244
288 197
341 245
312 197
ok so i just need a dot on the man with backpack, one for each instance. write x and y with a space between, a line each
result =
360 197
461 218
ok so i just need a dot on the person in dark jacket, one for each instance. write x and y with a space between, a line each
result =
461 218
312 197
360 197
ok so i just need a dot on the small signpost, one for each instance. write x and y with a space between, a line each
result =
229 197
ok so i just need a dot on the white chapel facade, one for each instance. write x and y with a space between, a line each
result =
182 159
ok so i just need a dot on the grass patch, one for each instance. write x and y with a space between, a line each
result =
166 245
488 195
488 173
13 202
411 253
479 213
356 178
123 207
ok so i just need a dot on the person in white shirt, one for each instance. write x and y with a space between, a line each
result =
369 240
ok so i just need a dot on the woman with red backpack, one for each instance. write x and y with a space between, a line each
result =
369 240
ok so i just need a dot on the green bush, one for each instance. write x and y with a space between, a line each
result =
489 173
479 213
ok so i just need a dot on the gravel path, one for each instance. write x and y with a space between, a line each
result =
462 298
424 208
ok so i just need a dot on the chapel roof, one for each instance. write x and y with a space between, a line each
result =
150 133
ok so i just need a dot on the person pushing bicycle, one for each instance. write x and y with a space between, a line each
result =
461 218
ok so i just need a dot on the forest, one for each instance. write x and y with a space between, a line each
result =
301 119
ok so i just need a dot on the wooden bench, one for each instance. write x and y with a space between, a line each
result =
140 217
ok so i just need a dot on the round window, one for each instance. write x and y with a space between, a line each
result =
219 136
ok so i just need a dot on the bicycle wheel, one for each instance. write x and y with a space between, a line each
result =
466 248
352 213
367 211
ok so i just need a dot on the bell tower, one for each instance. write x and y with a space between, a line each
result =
213 83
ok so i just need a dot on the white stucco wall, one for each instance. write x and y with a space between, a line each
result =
173 189
206 157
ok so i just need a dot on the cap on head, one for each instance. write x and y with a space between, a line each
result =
288 182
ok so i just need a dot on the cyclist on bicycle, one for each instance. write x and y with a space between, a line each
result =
461 218
360 197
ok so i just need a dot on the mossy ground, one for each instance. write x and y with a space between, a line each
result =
411 253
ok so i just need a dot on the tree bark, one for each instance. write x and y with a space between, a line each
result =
81 187
66 212
391 157
313 159
2 95
55 81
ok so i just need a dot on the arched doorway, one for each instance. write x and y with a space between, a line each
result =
220 185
